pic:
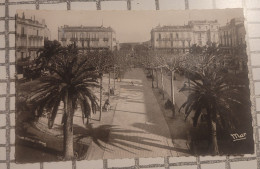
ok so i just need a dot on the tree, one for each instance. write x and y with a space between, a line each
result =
45 54
173 63
211 91
103 61
71 83
122 62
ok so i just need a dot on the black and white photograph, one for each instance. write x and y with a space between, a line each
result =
94 85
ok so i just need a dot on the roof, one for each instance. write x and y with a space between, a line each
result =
235 22
203 22
171 28
23 20
183 27
87 28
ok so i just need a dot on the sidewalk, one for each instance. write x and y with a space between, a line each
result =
138 128
178 127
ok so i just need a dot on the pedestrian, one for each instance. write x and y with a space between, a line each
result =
183 87
107 105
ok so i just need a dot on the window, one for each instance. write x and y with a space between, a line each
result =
177 36
22 31
183 43
37 33
160 36
171 35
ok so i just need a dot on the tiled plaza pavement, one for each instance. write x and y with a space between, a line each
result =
138 128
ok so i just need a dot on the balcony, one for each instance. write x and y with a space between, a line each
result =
21 47
22 36
73 39
36 37
173 39
94 39
34 48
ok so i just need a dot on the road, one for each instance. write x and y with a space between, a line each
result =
138 128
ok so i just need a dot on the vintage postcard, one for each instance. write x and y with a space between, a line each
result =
124 84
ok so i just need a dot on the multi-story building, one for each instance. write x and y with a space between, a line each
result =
181 38
232 34
232 40
88 37
30 37
204 31
176 38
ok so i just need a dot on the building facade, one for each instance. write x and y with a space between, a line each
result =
232 41
176 38
232 34
30 37
87 37
181 38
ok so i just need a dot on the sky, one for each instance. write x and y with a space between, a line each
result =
130 26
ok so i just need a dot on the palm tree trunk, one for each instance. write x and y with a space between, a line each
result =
152 79
156 78
101 94
108 86
162 82
68 129
114 78
172 93
120 73
212 127
214 138
172 88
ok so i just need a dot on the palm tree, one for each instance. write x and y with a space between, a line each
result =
71 83
211 91
50 49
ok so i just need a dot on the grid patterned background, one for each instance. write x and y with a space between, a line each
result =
7 85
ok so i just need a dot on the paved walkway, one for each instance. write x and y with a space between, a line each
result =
180 97
138 128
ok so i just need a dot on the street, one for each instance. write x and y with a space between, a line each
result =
139 128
